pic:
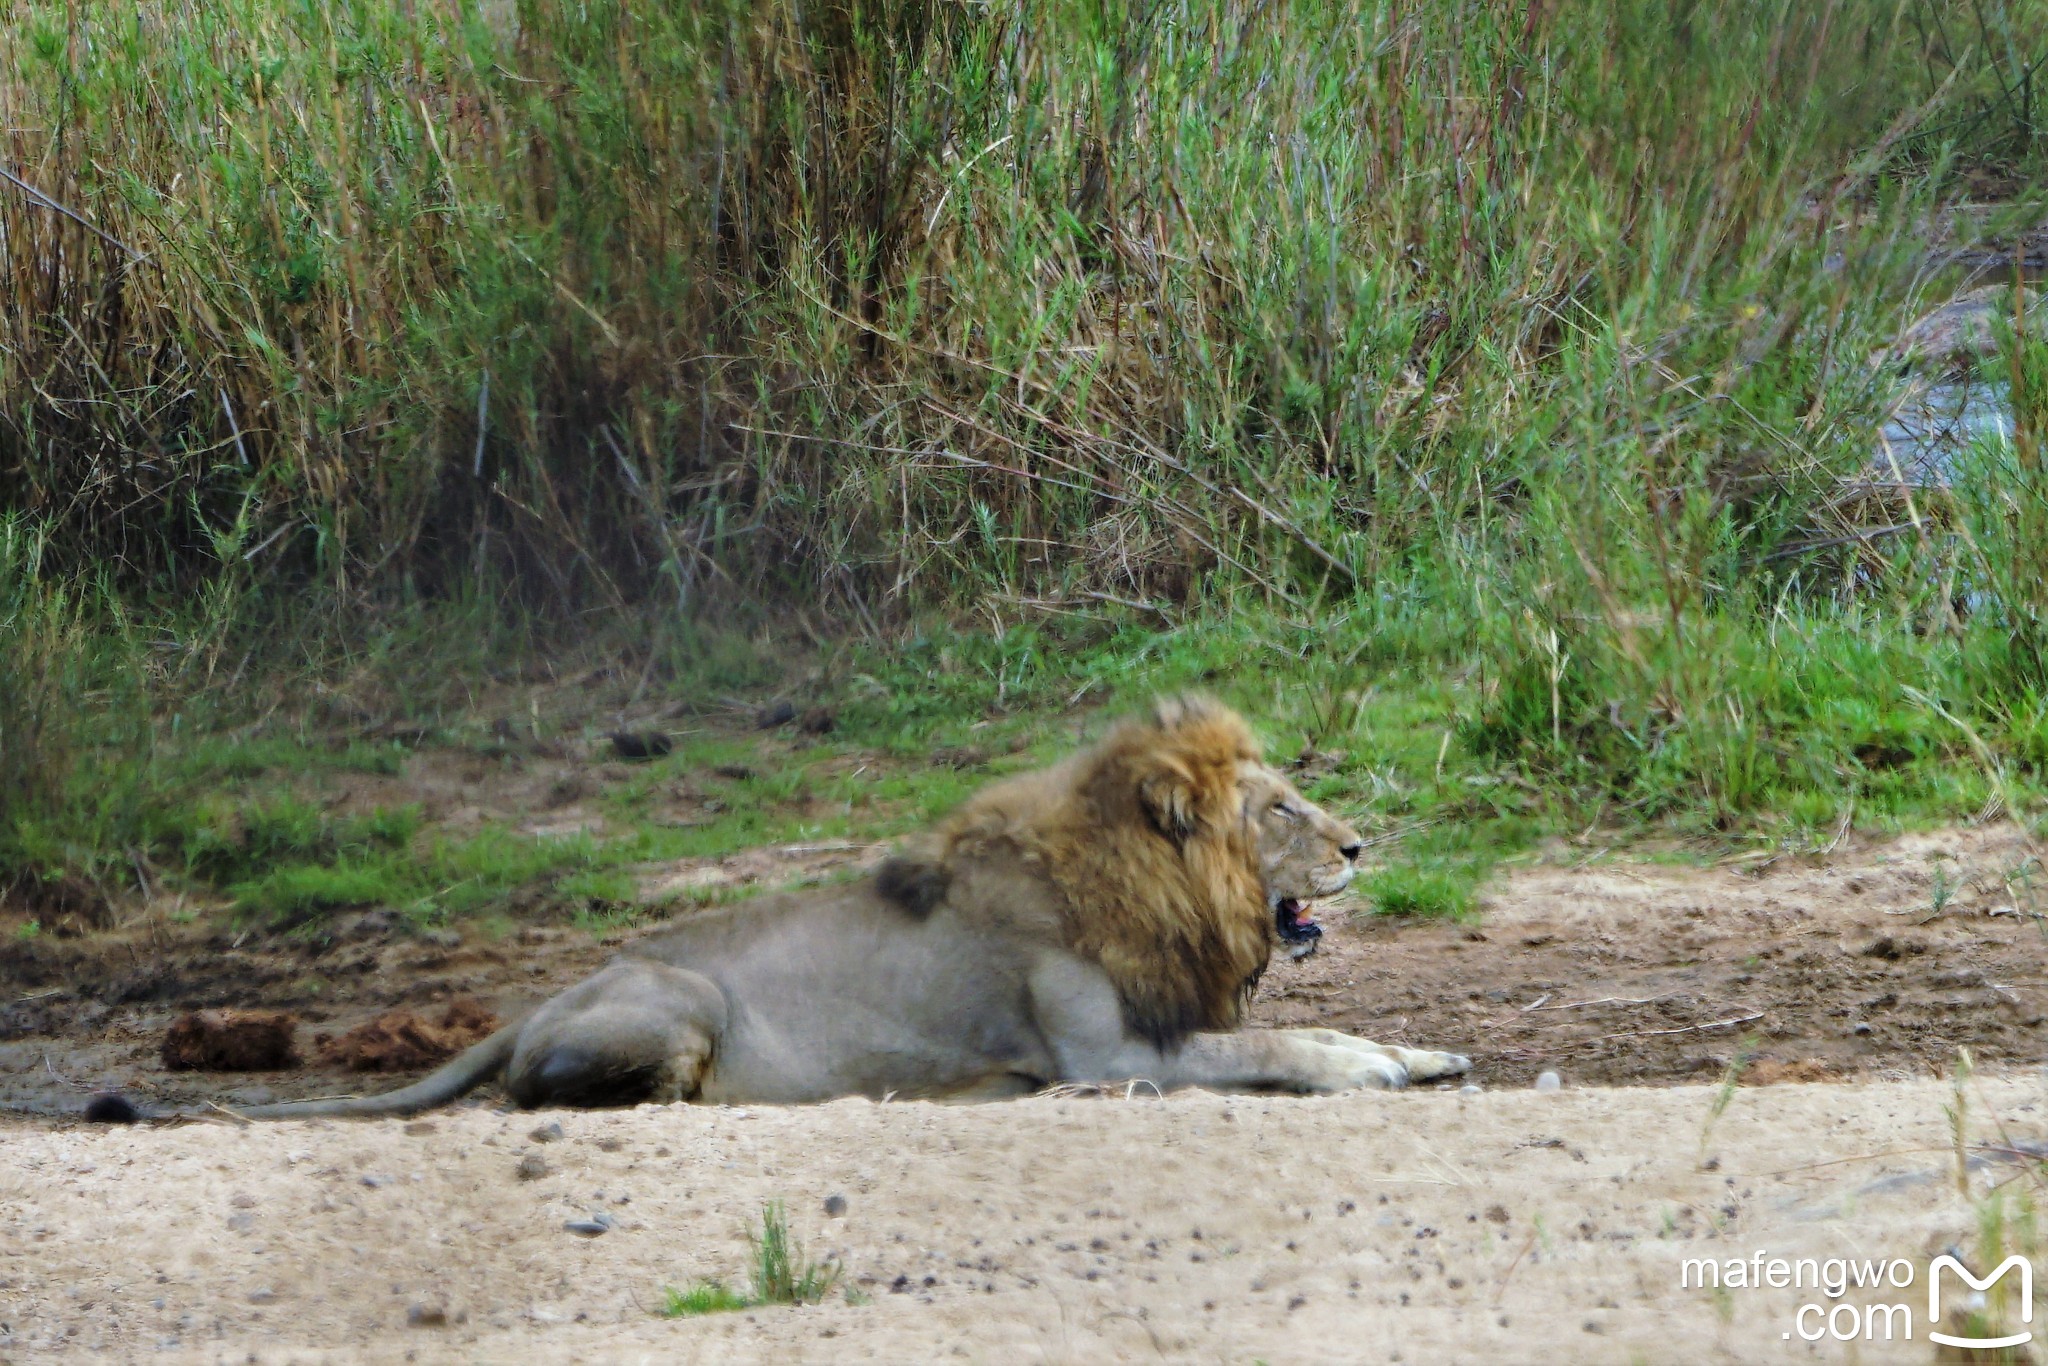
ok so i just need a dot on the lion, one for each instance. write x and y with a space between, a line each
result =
1101 921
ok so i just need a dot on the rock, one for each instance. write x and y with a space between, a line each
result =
641 744
835 1207
262 1295
1549 1081
777 713
1470 1088
1964 330
111 1107
550 1132
402 1041
1862 1027
532 1167
596 1224
231 1041
427 1316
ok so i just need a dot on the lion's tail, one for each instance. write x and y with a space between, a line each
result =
467 1070
462 1074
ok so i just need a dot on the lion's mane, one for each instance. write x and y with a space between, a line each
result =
1142 838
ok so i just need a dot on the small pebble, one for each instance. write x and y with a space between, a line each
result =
532 1167
1549 1081
1470 1088
1861 1027
427 1316
550 1132
376 1179
590 1228
262 1296
419 1128
835 1206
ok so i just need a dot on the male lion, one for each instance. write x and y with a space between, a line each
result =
1102 920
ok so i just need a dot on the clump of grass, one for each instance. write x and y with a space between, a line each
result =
781 1274
1416 890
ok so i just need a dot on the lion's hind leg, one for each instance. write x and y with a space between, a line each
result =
1420 1064
636 1031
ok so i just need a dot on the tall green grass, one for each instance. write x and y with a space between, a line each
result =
1533 343
893 302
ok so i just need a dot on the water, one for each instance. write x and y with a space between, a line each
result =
1936 423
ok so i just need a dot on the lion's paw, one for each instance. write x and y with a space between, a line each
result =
1426 1065
1408 1064
1333 1067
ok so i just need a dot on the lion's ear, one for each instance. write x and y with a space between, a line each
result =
1168 792
915 884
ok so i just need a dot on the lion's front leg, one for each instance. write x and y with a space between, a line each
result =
1310 1060
1421 1064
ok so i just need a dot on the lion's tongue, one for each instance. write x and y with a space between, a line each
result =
1296 918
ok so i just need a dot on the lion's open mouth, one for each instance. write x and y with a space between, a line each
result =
1297 926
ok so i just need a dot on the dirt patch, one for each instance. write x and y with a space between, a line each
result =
1877 960
403 1041
231 1041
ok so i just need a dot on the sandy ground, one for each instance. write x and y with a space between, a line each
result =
1430 1227
1504 1226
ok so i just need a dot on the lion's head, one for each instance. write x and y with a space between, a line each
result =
1304 853
1179 860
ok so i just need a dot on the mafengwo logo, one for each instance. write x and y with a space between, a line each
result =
2025 1300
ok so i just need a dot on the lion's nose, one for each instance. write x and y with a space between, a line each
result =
1351 852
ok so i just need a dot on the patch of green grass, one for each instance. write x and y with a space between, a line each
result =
1417 890
705 1297
780 1274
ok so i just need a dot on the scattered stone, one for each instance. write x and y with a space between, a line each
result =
777 713
420 1128
241 1223
1497 1214
231 1041
1549 1081
596 1224
739 773
1470 1088
532 1167
835 1207
427 1316
401 1041
262 1295
243 1200
374 1180
1862 1027
641 744
550 1132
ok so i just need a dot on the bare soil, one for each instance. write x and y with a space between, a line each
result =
1877 959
